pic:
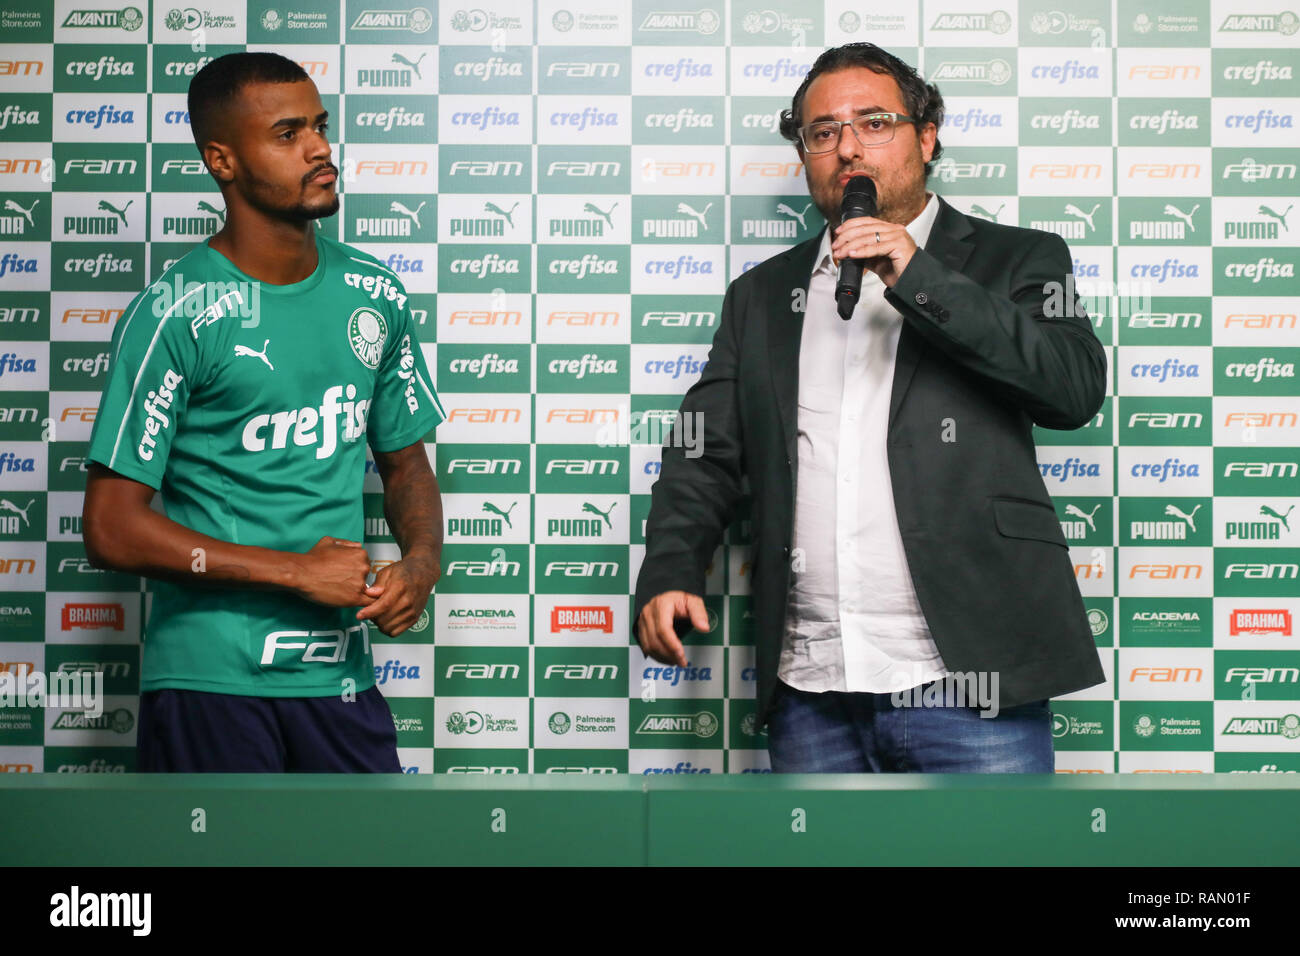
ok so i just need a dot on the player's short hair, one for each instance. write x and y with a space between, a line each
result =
922 100
215 87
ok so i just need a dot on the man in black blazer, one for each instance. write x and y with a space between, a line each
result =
959 344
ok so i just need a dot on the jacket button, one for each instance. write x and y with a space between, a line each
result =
922 298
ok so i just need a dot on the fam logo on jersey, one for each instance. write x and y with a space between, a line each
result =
319 646
367 332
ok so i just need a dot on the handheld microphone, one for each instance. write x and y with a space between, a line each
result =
859 200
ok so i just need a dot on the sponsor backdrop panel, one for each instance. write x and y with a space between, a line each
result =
566 187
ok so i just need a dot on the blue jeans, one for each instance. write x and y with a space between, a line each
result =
836 732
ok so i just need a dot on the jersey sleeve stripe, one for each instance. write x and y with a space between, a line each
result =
126 322
432 397
130 401
159 283
375 265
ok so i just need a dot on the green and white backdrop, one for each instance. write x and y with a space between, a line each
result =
566 188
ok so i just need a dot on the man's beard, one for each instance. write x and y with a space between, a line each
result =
830 206
272 199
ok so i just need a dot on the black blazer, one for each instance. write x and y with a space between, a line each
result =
984 547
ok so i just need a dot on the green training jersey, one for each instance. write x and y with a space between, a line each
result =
248 405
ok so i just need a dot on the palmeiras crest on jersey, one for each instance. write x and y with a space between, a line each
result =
367 332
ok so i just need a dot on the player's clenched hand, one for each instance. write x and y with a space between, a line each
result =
334 572
401 592
654 626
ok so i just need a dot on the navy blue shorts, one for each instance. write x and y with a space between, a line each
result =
190 731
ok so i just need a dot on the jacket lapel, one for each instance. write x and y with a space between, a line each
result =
948 244
785 326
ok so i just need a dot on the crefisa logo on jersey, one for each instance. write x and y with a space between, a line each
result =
367 332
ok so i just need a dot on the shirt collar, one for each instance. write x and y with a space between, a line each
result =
918 229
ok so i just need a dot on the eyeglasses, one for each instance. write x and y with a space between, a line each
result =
871 129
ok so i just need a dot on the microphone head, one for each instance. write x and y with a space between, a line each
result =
859 198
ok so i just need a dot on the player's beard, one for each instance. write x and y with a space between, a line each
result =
285 202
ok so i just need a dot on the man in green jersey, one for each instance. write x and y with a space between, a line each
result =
244 385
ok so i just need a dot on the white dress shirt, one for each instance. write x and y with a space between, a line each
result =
853 621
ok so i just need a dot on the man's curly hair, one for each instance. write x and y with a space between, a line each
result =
922 100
